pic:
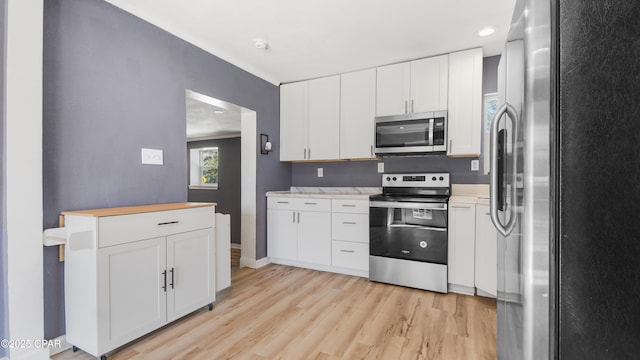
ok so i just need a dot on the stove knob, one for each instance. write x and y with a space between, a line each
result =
441 178
388 178
433 178
395 178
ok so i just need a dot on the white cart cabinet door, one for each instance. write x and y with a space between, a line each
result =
282 237
486 252
314 237
132 300
429 84
324 118
190 272
392 89
357 112
462 218
465 103
294 121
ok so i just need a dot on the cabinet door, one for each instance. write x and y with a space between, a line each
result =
293 120
462 218
282 237
314 237
357 112
429 84
132 301
392 89
465 103
190 272
486 252
324 118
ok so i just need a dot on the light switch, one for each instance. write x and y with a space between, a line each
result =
320 172
380 167
475 165
152 157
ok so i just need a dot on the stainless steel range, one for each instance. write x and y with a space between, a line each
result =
408 231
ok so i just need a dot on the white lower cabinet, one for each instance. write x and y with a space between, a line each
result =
486 265
462 218
322 234
117 293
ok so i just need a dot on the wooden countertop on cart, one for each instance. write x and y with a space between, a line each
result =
127 210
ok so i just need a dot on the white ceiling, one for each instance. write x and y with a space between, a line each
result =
314 38
203 122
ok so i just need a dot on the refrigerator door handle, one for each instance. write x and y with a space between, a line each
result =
504 229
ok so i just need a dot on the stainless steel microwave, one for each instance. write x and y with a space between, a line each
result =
416 133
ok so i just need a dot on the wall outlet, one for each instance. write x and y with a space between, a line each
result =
320 172
152 157
380 167
475 165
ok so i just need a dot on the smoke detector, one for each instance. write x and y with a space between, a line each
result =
261 44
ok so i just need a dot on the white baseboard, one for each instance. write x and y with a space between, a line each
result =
327 268
235 246
262 262
64 345
484 293
461 289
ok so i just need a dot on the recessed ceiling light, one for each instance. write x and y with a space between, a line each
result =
261 44
486 31
218 111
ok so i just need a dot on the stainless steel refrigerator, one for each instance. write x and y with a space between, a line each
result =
565 175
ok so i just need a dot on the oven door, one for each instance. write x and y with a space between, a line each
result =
408 230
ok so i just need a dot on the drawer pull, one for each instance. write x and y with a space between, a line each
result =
168 223
310 203
461 206
347 251
348 205
349 222
283 202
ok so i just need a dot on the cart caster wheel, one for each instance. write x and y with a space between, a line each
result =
210 307
74 348
103 357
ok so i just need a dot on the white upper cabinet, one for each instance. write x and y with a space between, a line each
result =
324 119
357 112
412 87
294 121
310 120
465 103
429 83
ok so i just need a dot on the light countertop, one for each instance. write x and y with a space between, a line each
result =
327 192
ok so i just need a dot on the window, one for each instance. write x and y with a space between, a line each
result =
203 169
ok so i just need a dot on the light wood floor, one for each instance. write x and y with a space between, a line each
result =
280 312
235 259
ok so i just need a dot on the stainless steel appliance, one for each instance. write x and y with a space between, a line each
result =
416 133
408 231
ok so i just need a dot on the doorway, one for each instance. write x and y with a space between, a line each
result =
221 151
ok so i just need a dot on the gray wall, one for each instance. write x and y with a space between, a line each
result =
364 173
228 193
112 85
4 312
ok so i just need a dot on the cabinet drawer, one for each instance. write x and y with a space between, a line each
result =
350 255
350 206
350 227
120 229
296 203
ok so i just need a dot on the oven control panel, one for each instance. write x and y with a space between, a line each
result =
416 180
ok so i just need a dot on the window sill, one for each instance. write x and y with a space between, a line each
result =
203 187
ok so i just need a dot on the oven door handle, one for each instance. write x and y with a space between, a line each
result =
407 205
417 226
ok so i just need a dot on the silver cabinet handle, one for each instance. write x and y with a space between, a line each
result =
294 217
168 223
405 107
305 153
309 153
371 150
461 206
298 218
504 229
450 144
349 222
347 251
283 202
412 106
348 205
312 203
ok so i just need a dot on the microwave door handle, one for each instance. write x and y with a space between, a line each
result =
431 131
512 115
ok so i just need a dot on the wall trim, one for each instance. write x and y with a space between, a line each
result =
262 262
64 345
